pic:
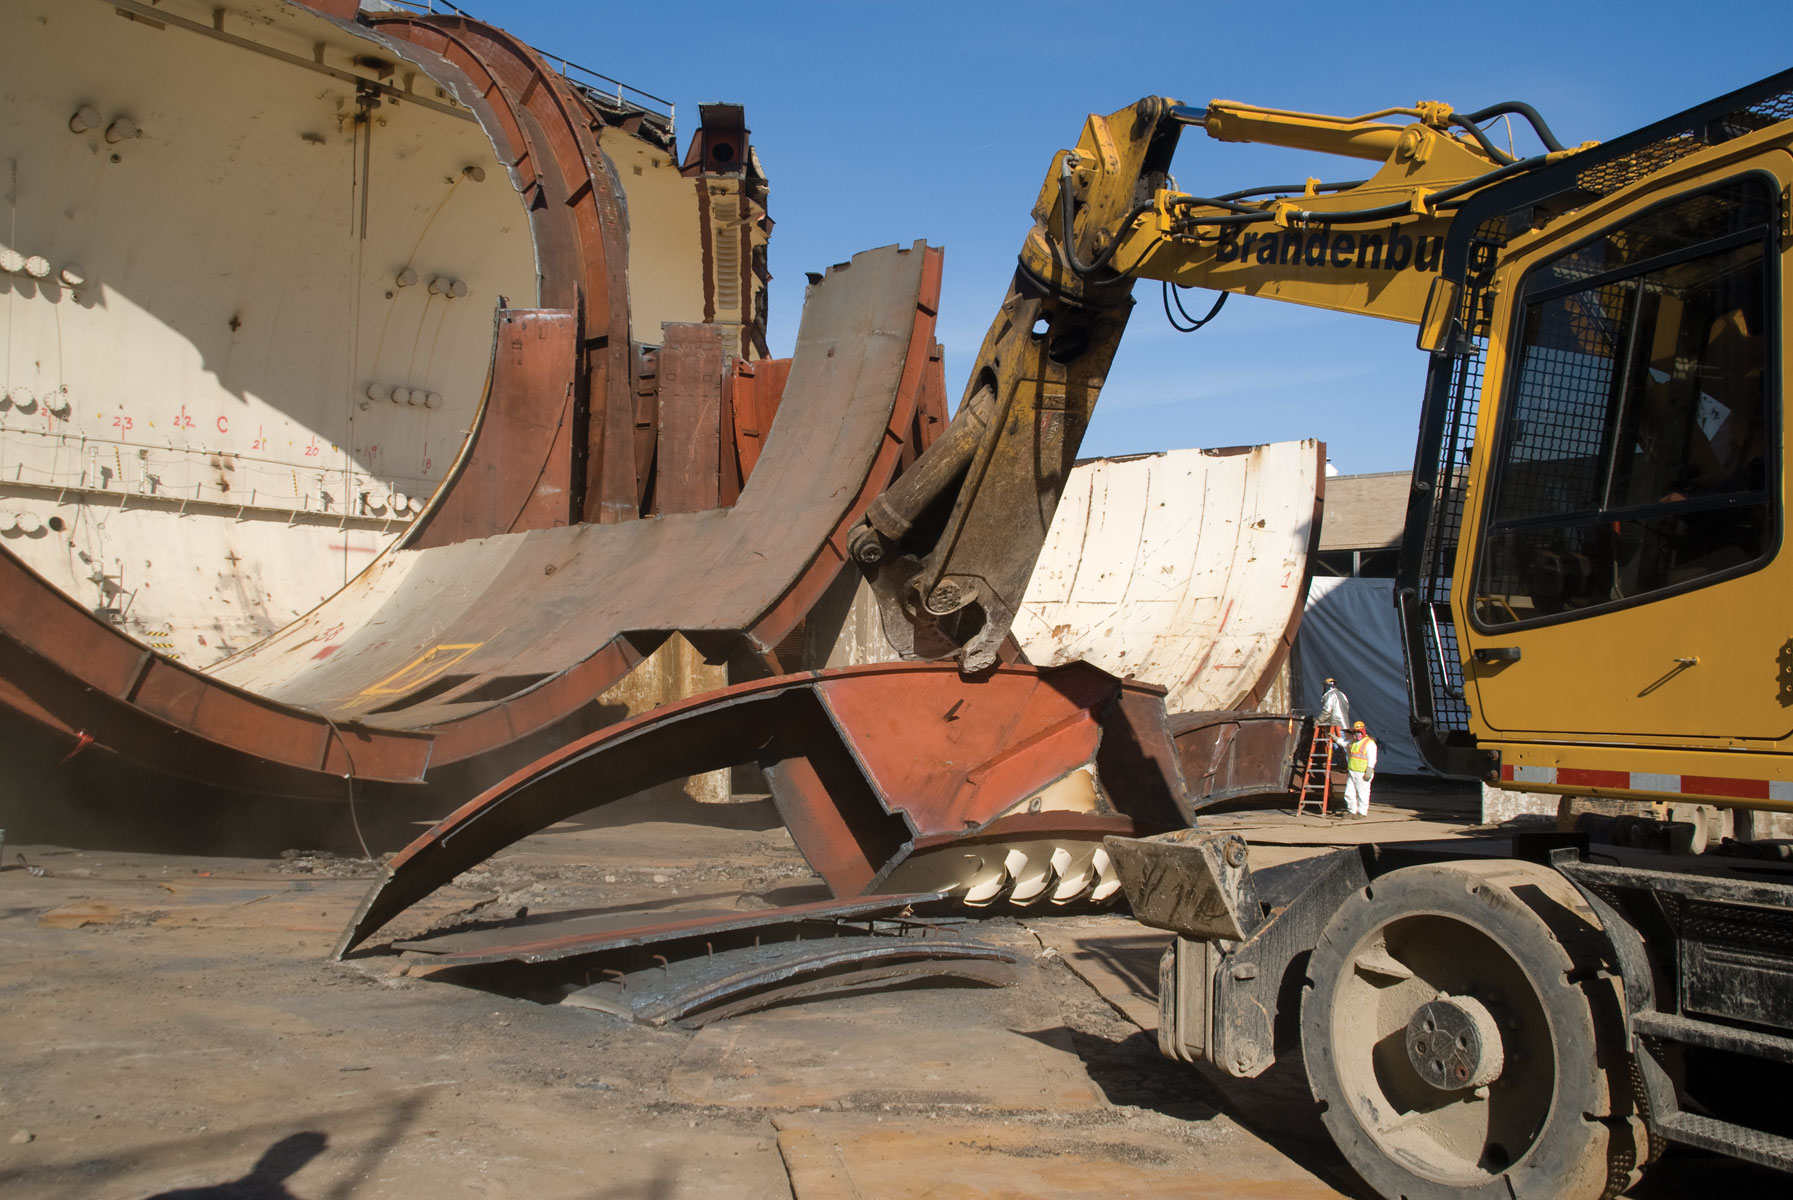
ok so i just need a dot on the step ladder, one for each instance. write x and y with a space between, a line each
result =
1316 776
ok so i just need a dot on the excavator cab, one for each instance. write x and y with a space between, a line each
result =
1617 479
1627 505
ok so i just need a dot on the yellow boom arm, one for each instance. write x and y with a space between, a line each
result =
949 580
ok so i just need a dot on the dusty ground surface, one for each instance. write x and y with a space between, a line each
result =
175 1026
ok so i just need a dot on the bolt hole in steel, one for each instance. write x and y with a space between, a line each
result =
1041 326
1068 344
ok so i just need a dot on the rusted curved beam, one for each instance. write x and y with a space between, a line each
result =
866 764
915 420
583 235
84 676
514 472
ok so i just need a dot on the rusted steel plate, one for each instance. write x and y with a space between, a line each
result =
1023 730
1225 755
834 744
557 939
930 408
1186 569
905 427
344 10
753 391
688 469
75 672
515 471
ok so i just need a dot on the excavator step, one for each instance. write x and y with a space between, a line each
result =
1690 1032
1739 1141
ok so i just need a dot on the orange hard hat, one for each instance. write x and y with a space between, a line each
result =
1357 725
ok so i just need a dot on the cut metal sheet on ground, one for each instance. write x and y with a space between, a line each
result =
1016 1058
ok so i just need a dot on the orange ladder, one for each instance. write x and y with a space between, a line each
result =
1317 775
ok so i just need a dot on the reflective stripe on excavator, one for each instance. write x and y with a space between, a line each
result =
1650 781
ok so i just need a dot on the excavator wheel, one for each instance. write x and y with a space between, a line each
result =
1463 1032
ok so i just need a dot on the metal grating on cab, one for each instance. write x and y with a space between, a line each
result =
1444 666
1609 176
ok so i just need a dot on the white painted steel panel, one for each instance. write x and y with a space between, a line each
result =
1183 569
190 401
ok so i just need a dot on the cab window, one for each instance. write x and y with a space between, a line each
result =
1638 448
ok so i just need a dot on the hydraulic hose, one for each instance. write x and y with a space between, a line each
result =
1171 296
1482 139
1383 212
1066 213
1519 108
1344 185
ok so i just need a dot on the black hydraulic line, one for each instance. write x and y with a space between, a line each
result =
1170 295
1380 213
1343 185
1482 139
1519 108
1517 167
1066 214
1304 216
1227 202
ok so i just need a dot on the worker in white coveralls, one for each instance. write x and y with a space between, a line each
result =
1335 710
1360 769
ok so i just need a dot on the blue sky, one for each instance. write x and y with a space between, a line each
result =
888 122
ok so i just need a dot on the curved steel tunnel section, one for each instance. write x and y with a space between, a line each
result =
484 641
571 191
524 628
1187 569
258 254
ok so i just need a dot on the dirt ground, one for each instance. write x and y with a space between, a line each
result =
174 1026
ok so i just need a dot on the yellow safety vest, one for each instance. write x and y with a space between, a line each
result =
1359 756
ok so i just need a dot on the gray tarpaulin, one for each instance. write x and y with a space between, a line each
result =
1350 632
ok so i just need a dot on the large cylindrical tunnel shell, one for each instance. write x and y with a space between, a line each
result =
320 294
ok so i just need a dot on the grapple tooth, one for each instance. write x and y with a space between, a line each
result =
1033 877
1107 881
985 883
1075 872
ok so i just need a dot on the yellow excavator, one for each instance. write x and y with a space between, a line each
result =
1591 592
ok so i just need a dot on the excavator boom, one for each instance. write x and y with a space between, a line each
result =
951 546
